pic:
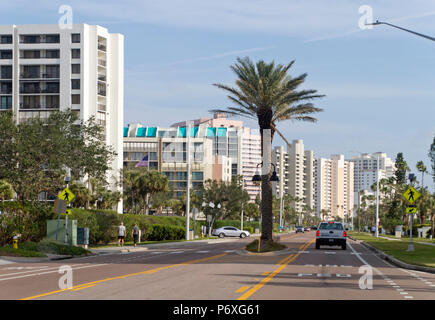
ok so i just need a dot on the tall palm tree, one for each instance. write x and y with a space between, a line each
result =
422 168
267 93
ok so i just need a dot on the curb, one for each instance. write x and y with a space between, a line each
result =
393 260
50 257
270 253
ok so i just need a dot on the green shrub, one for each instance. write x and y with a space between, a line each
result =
159 232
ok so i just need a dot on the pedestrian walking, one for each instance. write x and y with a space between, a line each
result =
121 234
373 230
135 234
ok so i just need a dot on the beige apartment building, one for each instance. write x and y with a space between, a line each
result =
334 185
295 169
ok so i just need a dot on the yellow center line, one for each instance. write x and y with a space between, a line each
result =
128 275
241 289
83 287
259 285
265 273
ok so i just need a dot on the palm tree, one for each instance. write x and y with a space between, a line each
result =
267 93
422 168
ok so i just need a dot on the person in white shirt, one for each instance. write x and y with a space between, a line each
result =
121 234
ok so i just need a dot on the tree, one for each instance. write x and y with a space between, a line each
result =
267 93
421 168
6 191
432 158
251 211
401 168
35 153
150 182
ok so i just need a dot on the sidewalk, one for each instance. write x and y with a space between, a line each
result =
144 247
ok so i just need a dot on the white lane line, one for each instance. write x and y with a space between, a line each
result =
309 265
403 292
408 297
339 275
155 252
203 251
53 271
176 252
330 252
343 266
303 251
324 275
304 274
35 270
229 251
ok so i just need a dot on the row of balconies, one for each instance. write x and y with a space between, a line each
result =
36 75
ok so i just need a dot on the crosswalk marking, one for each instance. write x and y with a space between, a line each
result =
324 275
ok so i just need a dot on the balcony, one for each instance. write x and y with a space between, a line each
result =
102 78
101 62
102 47
34 75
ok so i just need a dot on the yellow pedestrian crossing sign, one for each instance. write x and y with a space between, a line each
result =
411 209
68 212
411 195
66 195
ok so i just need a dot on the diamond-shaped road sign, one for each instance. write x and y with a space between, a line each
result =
66 195
411 195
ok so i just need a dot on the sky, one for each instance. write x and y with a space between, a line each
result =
378 83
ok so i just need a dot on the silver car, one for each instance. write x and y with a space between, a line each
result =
331 234
230 232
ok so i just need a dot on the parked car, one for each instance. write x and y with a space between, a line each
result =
299 229
331 234
313 227
230 232
306 229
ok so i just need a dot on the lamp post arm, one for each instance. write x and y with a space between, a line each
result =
407 30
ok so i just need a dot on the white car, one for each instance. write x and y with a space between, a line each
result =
230 232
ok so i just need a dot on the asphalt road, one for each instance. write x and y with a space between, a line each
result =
201 271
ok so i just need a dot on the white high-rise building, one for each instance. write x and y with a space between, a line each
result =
334 187
295 169
366 169
45 68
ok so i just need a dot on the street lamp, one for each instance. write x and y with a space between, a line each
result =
273 177
397 27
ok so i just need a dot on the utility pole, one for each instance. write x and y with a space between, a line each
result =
377 197
189 123
243 187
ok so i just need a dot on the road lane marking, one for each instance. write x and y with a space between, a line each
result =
83 287
52 271
259 285
323 275
377 271
242 289
203 251
36 270
329 252
343 275
265 273
408 297
403 292
304 274
130 275
176 252
229 251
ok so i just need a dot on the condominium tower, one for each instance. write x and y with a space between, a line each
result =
334 187
44 68
295 169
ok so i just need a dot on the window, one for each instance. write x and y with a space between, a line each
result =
5 39
197 175
52 71
6 54
75 68
75 53
75 99
52 102
52 38
30 54
75 37
6 72
52 54
75 84
5 103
